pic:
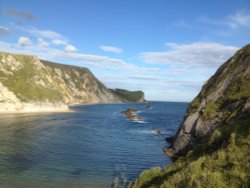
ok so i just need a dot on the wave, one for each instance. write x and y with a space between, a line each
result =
141 131
139 121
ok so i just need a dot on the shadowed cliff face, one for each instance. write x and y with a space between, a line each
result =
27 82
211 147
224 96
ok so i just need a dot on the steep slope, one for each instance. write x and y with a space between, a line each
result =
214 136
30 84
225 95
221 161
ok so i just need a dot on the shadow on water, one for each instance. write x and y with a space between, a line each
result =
17 148
92 147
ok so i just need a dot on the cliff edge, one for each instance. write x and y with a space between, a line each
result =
29 84
225 95
211 147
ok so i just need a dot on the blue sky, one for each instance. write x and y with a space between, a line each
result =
166 48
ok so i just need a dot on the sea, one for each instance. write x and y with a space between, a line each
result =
92 146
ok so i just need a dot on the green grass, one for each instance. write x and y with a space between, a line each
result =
70 70
223 158
210 110
195 104
238 87
20 82
147 175
221 161
131 96
24 83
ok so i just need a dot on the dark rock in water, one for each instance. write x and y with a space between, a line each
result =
130 113
157 131
169 152
170 139
77 172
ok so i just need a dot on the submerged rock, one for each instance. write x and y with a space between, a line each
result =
77 172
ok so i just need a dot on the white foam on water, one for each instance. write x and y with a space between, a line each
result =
139 121
141 131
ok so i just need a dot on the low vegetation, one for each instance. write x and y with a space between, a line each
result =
210 110
34 80
132 96
22 84
221 161
221 157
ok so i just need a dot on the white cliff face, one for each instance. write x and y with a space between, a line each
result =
8 100
9 64
10 103
28 84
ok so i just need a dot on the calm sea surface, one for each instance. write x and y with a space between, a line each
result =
94 146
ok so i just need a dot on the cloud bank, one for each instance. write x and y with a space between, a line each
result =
192 55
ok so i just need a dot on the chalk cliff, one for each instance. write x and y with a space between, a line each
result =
30 84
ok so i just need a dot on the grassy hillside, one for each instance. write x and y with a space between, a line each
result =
223 160
21 81
33 80
235 74
130 96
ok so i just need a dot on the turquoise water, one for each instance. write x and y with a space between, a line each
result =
94 146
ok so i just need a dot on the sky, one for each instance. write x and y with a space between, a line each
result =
166 48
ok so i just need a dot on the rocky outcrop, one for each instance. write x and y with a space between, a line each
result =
224 96
131 114
29 84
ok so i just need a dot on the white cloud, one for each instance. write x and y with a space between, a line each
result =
113 65
239 19
59 42
70 48
198 55
39 33
111 49
42 43
4 30
46 33
24 41
153 86
165 82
